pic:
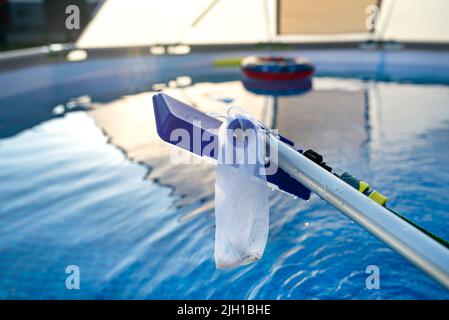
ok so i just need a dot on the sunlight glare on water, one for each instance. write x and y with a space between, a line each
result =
70 197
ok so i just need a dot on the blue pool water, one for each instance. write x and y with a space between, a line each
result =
68 196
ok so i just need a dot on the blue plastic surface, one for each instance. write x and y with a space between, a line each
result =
172 114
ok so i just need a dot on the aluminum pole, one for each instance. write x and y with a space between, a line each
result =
421 250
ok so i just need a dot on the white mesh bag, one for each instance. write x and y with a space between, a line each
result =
241 195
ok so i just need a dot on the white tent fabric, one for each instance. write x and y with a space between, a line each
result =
148 22
416 20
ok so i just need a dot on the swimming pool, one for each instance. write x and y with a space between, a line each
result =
93 187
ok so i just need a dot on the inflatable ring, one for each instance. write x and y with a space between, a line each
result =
276 68
279 87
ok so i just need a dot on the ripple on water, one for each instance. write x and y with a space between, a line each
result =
69 197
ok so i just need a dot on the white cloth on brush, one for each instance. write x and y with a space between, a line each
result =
241 200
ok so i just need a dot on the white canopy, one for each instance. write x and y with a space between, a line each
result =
148 22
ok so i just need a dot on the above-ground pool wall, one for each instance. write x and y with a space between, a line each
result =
29 92
35 90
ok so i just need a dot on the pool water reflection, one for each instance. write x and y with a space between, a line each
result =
96 189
